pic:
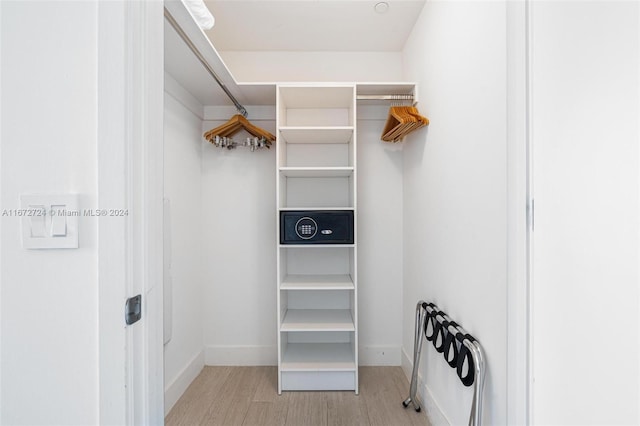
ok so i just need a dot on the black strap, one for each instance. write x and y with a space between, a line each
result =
439 331
455 357
430 319
463 355
451 347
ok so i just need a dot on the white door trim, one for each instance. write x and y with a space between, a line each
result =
518 224
112 242
148 191
1 204
130 81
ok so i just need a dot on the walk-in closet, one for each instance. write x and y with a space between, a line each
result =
424 216
396 212
253 277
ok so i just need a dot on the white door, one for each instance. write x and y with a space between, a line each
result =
585 116
130 74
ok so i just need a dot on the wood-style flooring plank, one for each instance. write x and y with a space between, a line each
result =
234 398
196 400
384 400
247 396
267 387
307 409
401 383
267 413
346 409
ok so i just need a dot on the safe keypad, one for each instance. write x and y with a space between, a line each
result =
306 228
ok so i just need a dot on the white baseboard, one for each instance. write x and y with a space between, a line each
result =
379 355
241 355
174 390
425 398
407 364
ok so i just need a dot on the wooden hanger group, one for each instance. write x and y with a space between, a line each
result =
401 121
234 125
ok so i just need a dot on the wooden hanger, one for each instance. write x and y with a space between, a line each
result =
234 125
414 111
410 123
401 121
394 122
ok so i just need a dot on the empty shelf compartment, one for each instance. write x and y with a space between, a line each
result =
317 135
317 282
318 320
318 357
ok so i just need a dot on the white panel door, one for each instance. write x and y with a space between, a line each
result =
585 99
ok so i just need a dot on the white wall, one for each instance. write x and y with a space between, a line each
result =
49 340
586 109
379 241
314 66
455 196
238 252
183 354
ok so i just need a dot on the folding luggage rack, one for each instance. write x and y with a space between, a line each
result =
459 349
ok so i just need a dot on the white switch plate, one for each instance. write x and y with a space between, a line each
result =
49 221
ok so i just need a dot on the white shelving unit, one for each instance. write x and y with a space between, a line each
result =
317 283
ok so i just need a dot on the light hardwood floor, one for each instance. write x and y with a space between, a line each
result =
247 396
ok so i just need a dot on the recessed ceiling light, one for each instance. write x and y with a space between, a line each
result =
381 7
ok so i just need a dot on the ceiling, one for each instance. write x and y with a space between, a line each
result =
312 25
294 25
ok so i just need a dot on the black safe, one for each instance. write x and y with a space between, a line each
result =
316 227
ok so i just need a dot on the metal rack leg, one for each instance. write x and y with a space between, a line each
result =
480 369
417 350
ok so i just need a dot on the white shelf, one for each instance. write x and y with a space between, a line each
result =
313 172
318 357
183 66
317 282
385 88
317 96
317 320
315 208
316 134
316 245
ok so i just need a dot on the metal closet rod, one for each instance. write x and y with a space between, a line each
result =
242 110
384 97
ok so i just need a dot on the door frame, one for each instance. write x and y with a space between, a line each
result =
130 63
130 173
519 213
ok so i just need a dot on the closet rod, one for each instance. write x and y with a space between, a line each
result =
242 110
385 97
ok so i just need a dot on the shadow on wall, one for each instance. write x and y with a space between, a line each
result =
414 146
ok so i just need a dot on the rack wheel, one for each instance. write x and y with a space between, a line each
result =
418 409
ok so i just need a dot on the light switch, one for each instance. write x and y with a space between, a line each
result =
50 221
37 216
58 221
